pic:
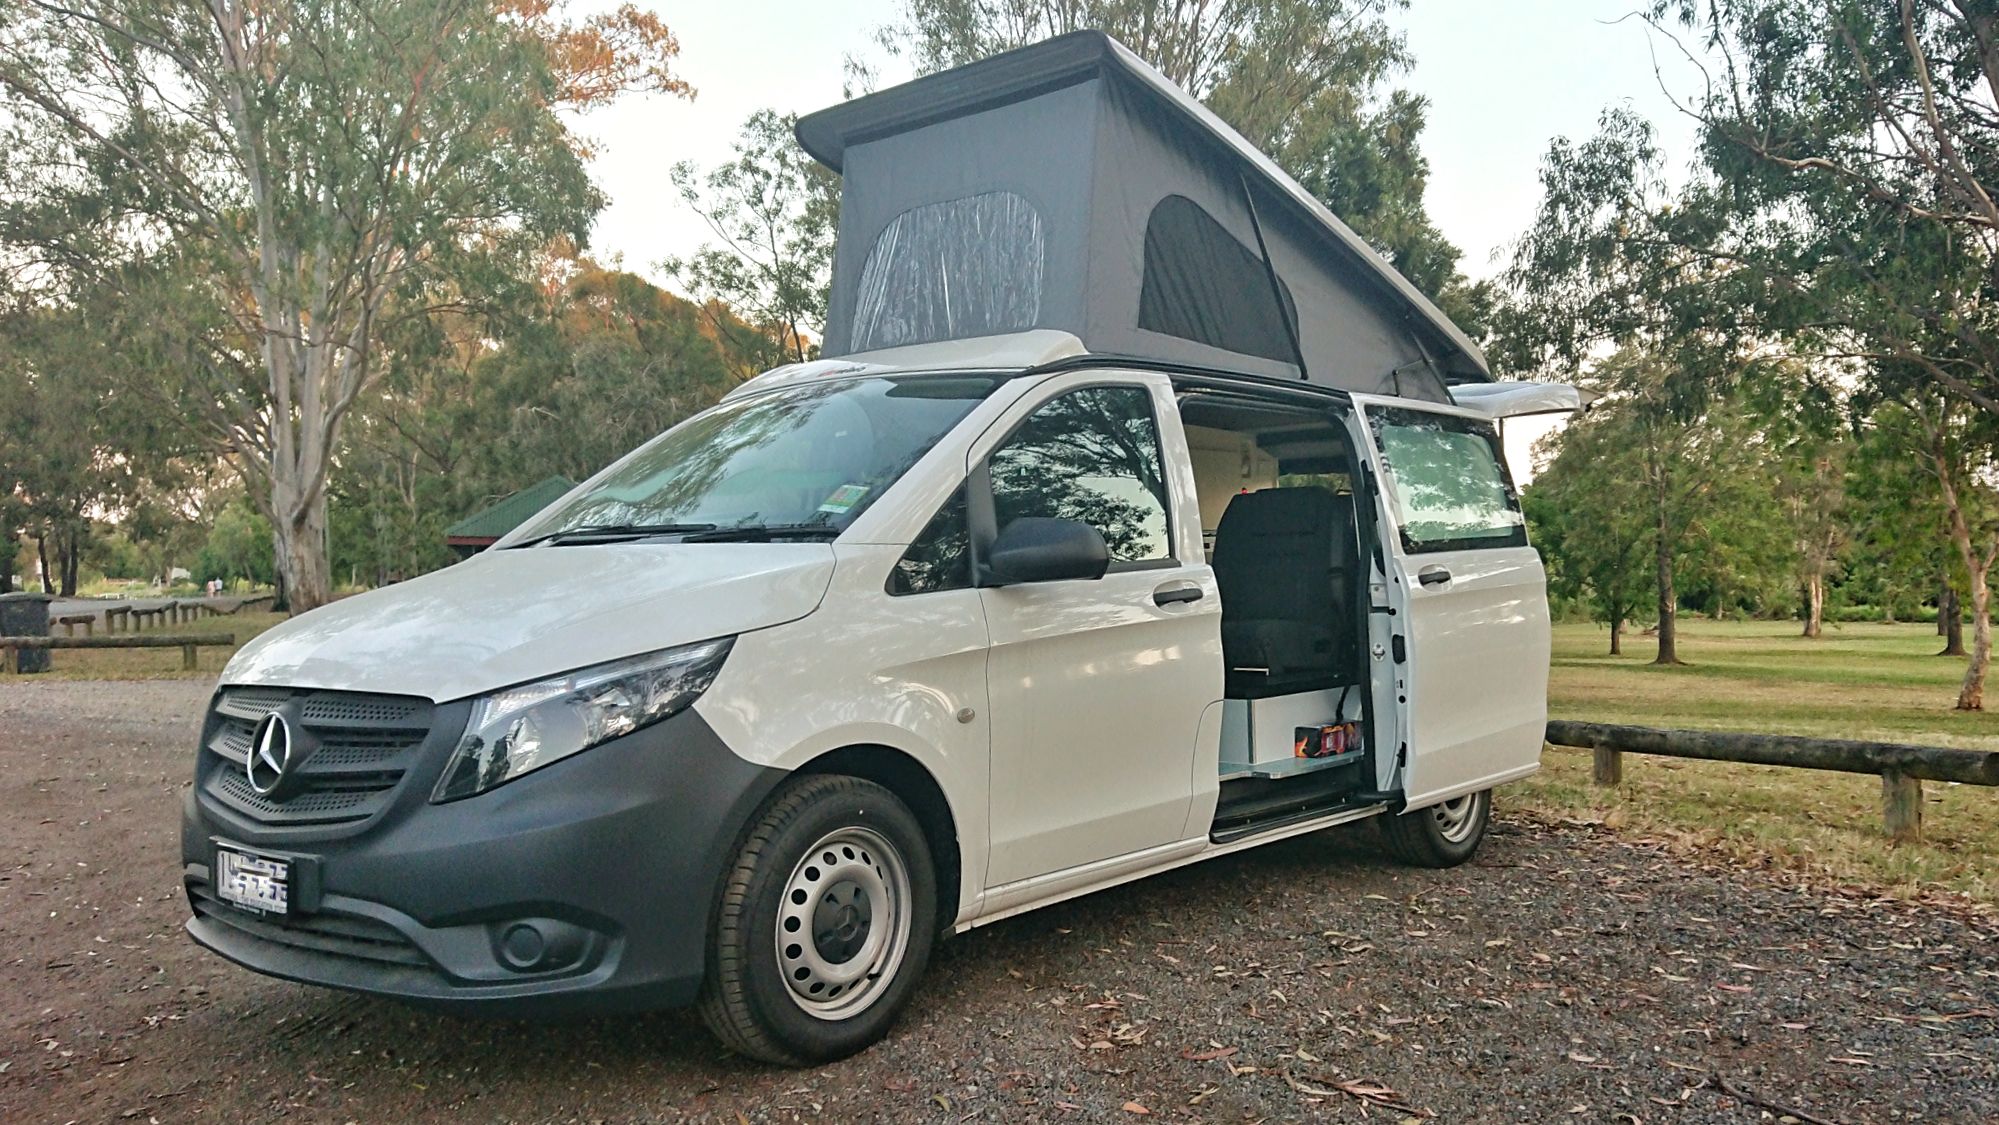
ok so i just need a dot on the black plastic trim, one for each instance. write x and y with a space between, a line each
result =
626 844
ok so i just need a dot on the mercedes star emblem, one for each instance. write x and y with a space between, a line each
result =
270 755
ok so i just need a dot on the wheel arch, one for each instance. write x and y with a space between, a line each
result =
913 784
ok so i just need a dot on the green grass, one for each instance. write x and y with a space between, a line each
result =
156 663
1864 681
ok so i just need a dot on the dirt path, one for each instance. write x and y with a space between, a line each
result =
1565 976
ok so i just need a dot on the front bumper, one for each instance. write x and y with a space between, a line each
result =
586 886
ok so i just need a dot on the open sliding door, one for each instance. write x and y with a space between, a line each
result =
1469 599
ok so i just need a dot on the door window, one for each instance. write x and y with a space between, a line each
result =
1090 455
1451 492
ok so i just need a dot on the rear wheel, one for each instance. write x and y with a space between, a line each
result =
1442 835
825 924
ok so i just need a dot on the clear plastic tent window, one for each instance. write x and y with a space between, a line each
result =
950 271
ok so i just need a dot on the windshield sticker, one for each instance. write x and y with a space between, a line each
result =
844 498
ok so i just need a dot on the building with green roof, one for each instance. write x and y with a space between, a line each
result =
479 530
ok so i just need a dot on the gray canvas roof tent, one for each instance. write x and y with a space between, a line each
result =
1069 185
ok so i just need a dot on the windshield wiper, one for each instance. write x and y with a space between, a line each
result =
612 532
764 532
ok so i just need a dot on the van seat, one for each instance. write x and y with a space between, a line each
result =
1282 559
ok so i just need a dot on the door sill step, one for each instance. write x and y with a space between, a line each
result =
1256 827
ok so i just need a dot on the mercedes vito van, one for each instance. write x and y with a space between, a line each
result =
1085 561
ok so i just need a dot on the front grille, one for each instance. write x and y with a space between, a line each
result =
340 935
358 749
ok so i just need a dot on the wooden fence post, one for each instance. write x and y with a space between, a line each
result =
10 660
1902 806
187 658
1607 767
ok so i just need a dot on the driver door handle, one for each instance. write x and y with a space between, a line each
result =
1433 576
1173 595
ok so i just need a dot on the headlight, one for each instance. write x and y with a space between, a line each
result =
525 728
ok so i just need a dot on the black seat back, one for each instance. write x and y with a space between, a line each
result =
1283 559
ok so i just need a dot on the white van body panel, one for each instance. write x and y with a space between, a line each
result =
868 669
1472 695
506 617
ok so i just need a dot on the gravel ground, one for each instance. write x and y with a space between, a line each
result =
1567 974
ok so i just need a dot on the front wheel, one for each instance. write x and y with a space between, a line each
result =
824 926
1442 835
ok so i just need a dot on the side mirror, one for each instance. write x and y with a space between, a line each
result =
1038 549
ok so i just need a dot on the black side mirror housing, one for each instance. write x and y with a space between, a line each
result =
1040 549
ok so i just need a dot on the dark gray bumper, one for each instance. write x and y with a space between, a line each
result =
585 886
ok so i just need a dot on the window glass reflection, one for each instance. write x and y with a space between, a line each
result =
941 557
1450 491
1091 455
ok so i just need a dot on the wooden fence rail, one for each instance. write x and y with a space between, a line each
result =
10 647
1902 768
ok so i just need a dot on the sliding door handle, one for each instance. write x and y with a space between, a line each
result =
1433 576
1174 595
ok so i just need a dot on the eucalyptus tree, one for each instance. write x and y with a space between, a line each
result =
1957 448
1592 520
774 211
1857 145
273 186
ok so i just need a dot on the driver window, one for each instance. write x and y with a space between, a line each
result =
1090 455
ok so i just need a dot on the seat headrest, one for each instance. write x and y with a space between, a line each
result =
1298 510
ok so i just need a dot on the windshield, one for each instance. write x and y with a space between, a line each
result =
808 459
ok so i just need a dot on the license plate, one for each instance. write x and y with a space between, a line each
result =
253 882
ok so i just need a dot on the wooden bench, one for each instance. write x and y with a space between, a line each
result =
10 647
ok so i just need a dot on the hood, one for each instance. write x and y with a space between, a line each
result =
508 616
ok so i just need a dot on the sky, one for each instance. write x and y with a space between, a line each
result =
1502 77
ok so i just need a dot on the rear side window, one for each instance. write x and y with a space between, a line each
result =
1089 455
1448 482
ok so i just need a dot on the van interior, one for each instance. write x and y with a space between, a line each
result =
1274 480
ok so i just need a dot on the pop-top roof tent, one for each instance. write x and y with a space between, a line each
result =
1069 185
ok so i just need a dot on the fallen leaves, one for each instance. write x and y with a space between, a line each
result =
1368 1093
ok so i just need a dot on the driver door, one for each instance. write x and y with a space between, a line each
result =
1096 686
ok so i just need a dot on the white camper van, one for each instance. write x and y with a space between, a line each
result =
1140 519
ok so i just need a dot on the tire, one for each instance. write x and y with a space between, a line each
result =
1442 835
812 959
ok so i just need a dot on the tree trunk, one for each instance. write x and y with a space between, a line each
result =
305 579
1950 622
1669 649
1972 696
1814 604
1617 635
71 550
42 556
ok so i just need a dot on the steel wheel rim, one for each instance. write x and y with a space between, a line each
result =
843 923
1457 818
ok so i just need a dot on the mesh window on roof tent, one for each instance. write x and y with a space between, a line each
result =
1201 284
951 271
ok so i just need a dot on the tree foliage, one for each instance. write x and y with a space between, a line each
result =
272 188
775 211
